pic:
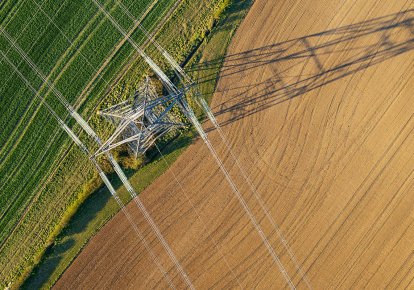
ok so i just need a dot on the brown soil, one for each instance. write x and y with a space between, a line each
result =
316 98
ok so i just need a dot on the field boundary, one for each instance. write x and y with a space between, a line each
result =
197 56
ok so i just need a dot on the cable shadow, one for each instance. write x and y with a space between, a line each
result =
307 63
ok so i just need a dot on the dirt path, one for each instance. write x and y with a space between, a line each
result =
316 98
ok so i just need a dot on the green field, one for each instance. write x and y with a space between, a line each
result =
43 178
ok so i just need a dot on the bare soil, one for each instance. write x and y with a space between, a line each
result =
316 98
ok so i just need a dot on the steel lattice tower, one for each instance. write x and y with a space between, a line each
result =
140 120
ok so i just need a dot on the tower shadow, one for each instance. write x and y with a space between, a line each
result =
307 63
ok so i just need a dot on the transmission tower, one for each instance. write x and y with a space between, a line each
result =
141 120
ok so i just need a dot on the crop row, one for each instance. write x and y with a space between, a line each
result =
22 169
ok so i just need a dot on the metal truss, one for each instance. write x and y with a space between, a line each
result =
141 120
